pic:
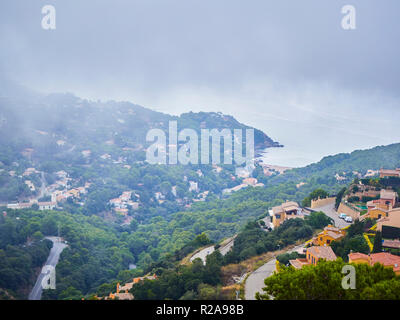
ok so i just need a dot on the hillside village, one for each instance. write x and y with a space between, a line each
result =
373 205
375 199
65 189
156 211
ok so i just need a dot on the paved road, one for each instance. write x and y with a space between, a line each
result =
330 211
202 254
255 282
227 247
52 260
224 249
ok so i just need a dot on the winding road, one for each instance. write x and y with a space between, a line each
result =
255 282
52 260
224 249
202 254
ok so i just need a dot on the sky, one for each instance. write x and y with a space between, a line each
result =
286 67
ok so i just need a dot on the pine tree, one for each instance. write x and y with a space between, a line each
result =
377 243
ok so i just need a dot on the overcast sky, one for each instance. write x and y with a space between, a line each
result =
284 66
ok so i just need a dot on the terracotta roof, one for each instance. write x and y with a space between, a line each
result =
124 296
389 171
391 243
386 259
127 286
334 235
277 209
322 252
286 206
358 255
290 208
298 263
289 204
386 194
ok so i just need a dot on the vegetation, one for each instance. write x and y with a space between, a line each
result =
324 282
193 281
285 257
254 241
22 255
354 240
339 197
316 194
377 242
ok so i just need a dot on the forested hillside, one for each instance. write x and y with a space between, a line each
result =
346 165
58 127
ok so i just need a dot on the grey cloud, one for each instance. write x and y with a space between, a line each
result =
268 63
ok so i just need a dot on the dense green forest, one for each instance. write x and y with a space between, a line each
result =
22 254
96 251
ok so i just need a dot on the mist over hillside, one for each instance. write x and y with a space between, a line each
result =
61 125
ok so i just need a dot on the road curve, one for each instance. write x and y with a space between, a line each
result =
52 260
255 282
202 254
224 249
227 246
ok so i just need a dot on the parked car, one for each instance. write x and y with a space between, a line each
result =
348 219
342 216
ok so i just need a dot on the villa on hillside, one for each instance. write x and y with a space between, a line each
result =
388 197
313 255
384 258
329 234
286 210
122 204
381 207
26 205
122 292
385 173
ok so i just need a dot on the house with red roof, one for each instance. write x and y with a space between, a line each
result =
386 259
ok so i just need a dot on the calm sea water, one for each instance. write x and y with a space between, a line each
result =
289 156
